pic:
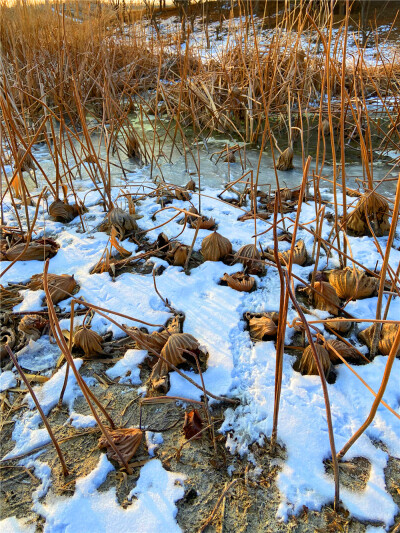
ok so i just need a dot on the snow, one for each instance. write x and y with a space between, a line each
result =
127 368
152 509
7 380
13 525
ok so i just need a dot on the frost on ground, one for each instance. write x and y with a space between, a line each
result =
236 367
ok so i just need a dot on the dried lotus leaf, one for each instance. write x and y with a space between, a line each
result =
387 336
250 258
89 341
154 341
352 283
285 160
340 326
308 365
285 194
182 195
328 299
202 223
63 212
299 254
192 425
347 352
173 351
215 247
27 163
239 281
32 326
60 286
127 440
190 185
180 255
261 327
122 221
376 207
36 251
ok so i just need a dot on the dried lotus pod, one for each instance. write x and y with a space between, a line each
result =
202 223
60 286
309 367
32 326
328 299
88 340
352 283
262 327
127 440
64 212
38 250
376 207
387 336
239 281
285 160
250 258
299 254
173 352
215 247
340 326
190 185
123 221
347 352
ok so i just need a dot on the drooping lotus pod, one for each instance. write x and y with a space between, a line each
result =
215 247
190 185
32 326
347 352
353 283
63 212
250 258
261 327
123 222
89 341
387 336
38 250
309 367
126 440
239 281
173 351
329 300
374 206
299 254
285 160
60 286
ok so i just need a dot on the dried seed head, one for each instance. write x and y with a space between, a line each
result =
215 247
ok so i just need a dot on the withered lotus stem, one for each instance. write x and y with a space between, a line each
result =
215 247
239 281
347 352
309 367
353 283
285 160
329 300
127 440
89 341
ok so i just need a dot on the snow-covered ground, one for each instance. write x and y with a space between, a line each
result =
237 367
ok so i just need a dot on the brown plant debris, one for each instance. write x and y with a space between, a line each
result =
61 286
285 160
308 365
376 208
89 341
127 440
173 352
124 222
250 258
327 300
347 352
32 326
387 336
64 212
239 281
38 250
352 283
215 247
192 425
